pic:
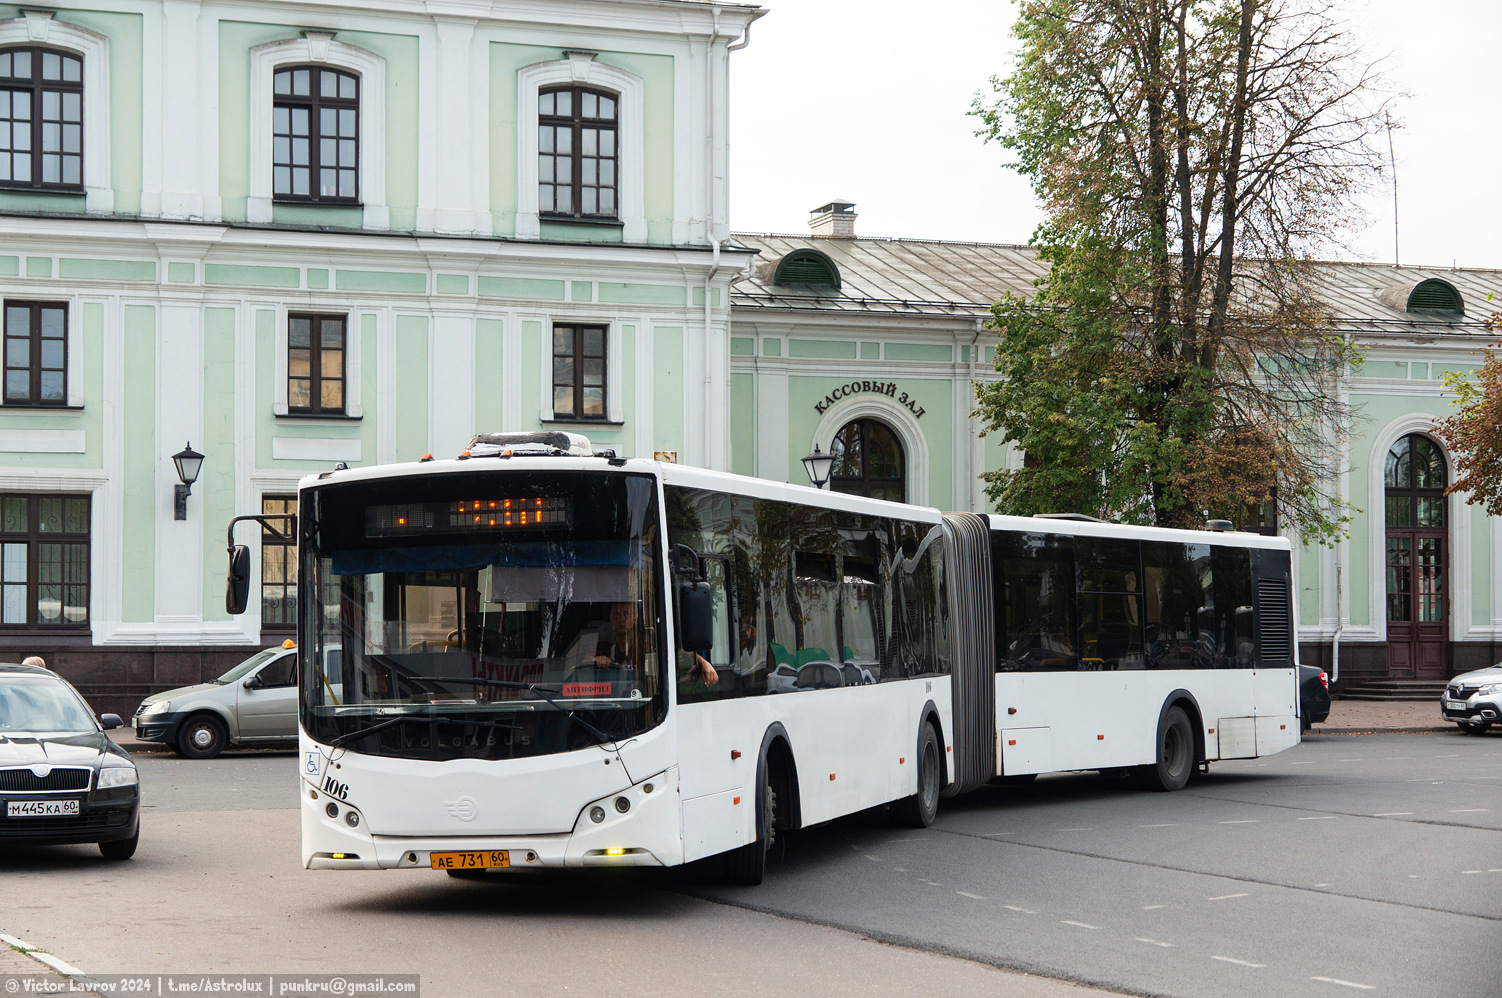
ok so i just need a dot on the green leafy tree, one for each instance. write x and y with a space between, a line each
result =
1192 156
1474 433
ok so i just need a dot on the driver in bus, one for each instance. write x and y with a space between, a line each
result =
624 649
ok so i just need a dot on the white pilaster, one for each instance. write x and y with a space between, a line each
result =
179 420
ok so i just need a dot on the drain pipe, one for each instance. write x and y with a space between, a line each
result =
970 421
1340 625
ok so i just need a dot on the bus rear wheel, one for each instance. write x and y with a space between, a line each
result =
748 864
918 810
1175 754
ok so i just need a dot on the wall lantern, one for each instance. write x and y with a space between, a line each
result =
818 465
188 462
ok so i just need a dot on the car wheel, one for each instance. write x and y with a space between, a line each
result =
1477 728
918 811
202 737
1175 754
748 864
120 848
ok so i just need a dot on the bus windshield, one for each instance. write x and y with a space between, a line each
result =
487 615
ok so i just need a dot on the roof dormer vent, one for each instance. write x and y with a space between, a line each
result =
1432 296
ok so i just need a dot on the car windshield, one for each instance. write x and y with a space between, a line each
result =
41 705
248 666
490 615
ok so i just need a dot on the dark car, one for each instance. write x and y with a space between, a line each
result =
61 778
1314 695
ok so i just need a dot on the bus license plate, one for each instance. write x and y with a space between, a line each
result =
470 860
39 808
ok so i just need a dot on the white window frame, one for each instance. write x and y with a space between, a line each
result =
320 48
581 68
37 27
614 387
352 407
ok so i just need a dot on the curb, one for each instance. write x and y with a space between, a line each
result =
1380 731
83 982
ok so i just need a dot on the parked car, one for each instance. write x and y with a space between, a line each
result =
783 679
62 780
255 703
1473 700
1314 695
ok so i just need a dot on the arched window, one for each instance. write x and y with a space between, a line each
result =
1415 478
576 152
868 461
809 268
315 135
41 119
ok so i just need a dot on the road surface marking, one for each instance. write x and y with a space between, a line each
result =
1413 876
1083 925
1155 942
1470 871
1321 885
1239 963
967 894
1455 756
1306 762
1495 869
1345 984
1243 821
1091 828
1347 760
1227 897
1169 825
1317 817
1013 907
1154 907
988 834
874 859
1391 814
1467 810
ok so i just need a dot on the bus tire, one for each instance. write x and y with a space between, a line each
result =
748 864
918 810
1175 754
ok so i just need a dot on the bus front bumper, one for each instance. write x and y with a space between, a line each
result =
639 826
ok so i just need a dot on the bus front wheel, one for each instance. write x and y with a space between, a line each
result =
748 864
1175 754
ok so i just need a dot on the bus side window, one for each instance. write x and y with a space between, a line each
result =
1036 576
1231 569
1176 580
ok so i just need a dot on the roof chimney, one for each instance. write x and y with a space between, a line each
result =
835 220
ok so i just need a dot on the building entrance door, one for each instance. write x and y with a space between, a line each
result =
1417 560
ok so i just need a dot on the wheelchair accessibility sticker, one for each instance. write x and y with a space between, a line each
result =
312 764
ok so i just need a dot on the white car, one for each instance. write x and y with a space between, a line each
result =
1474 700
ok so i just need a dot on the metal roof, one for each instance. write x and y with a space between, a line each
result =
934 277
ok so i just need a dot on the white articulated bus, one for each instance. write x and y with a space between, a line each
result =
537 656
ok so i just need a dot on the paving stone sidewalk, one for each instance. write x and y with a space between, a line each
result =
1349 717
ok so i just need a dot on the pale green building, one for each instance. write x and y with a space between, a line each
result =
871 345
294 236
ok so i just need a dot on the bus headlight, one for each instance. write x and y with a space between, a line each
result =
597 814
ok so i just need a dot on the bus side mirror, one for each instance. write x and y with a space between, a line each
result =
695 617
237 589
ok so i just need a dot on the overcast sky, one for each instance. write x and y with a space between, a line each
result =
866 100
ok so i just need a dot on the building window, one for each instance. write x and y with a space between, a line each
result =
315 364
44 560
868 461
576 153
36 353
315 141
41 119
579 372
279 566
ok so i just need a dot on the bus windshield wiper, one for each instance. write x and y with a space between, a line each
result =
407 718
541 692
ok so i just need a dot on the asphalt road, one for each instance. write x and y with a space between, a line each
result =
1346 865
